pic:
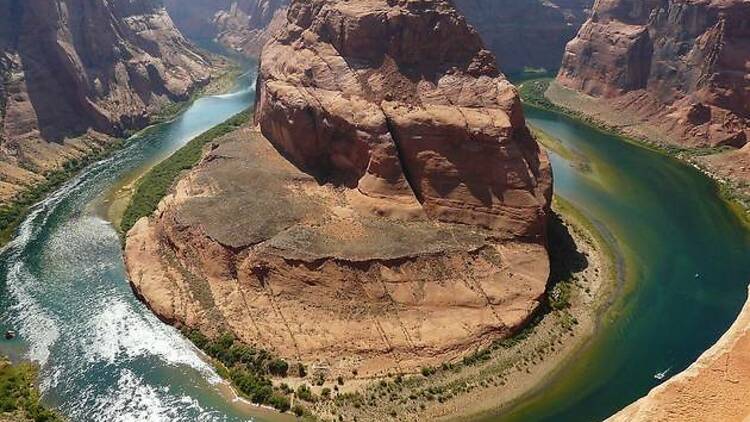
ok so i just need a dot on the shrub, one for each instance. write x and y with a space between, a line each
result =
304 393
278 367
279 402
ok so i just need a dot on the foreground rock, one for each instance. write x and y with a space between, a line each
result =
677 68
87 70
712 389
529 34
244 26
396 219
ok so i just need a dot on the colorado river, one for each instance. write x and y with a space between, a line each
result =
104 356
685 256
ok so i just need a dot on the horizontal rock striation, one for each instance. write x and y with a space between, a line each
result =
84 69
526 34
390 215
401 101
679 67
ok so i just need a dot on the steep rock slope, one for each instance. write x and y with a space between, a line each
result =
391 214
87 70
242 25
526 34
677 67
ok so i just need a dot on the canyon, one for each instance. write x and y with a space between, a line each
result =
387 213
526 35
674 72
78 74
243 26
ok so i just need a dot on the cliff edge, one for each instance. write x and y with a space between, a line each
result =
387 213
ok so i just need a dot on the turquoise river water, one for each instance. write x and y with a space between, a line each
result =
104 356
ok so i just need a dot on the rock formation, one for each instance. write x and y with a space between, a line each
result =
242 25
391 214
679 68
526 34
87 70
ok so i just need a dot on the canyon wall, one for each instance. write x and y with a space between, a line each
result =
76 73
388 212
526 34
678 67
242 25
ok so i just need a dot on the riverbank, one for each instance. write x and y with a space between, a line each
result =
14 212
712 162
19 396
146 188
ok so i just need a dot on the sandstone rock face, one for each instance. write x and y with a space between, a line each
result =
400 100
530 33
393 215
242 25
91 69
681 66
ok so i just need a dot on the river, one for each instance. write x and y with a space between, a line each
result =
685 257
104 356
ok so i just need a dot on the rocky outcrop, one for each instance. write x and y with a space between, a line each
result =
390 215
422 116
526 34
242 25
88 70
677 67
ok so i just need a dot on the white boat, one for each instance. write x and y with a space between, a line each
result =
661 375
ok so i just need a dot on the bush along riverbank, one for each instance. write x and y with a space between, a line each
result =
19 397
155 184
251 370
533 91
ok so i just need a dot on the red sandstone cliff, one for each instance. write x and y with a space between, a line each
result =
86 70
401 100
392 217
529 33
679 67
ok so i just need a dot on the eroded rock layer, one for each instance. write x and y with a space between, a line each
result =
87 70
401 100
526 34
393 215
679 66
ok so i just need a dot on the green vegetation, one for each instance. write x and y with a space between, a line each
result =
12 214
248 368
156 183
221 84
19 398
